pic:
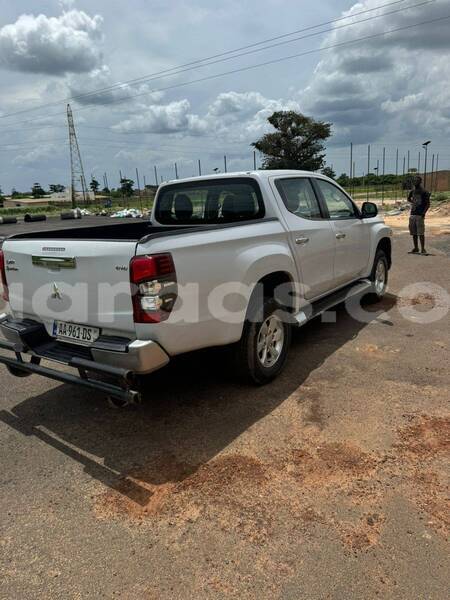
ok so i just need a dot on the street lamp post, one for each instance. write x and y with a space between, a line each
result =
425 145
376 169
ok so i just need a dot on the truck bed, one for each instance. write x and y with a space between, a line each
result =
115 232
139 231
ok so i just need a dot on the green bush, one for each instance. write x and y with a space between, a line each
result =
440 196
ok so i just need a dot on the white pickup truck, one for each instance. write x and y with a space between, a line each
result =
236 258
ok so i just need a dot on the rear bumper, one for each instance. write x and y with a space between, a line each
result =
138 356
114 357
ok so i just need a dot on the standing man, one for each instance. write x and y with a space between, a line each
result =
419 199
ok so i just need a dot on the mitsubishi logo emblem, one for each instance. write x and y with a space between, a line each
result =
56 293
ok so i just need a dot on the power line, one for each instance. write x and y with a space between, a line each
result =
197 63
269 62
276 60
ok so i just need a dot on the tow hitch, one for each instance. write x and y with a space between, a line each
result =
119 394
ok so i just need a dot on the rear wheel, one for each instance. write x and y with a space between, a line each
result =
378 277
263 349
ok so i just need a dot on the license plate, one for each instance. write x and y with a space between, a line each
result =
77 334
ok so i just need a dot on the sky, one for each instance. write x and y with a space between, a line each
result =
342 66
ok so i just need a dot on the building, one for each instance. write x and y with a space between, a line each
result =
48 200
439 181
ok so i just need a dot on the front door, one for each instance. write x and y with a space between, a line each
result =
312 237
350 232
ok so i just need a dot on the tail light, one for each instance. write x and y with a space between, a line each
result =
153 287
5 294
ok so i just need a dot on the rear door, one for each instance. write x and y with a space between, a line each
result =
311 235
77 281
350 232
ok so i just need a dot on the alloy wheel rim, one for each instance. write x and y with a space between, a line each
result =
270 341
380 278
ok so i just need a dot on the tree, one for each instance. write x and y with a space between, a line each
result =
328 171
56 188
126 186
37 191
14 193
94 185
297 143
343 180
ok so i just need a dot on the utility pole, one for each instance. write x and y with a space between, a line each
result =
377 168
176 171
368 170
254 160
121 187
351 160
425 145
418 164
139 188
384 170
76 166
225 163
436 172
396 174
156 177
432 172
351 167
199 168
408 161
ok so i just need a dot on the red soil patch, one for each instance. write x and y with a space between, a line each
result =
425 438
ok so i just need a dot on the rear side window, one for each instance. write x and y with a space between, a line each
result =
226 200
299 197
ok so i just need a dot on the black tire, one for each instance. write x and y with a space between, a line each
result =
248 363
17 372
377 293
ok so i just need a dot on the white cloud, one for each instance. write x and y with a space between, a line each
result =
242 116
174 117
37 155
83 84
52 45
232 115
396 84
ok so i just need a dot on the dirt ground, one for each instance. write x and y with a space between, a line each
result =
332 482
437 219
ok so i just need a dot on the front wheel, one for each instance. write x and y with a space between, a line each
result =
263 349
378 277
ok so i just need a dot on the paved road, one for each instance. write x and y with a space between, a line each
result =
329 483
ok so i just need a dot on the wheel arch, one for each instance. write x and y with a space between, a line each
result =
385 244
279 285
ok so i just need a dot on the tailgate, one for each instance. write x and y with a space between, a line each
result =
79 281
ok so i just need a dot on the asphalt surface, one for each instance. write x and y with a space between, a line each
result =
328 483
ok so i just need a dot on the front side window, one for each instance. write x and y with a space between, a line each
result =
299 197
226 200
338 204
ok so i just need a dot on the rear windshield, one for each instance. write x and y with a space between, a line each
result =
215 201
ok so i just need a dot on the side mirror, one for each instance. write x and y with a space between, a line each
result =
368 210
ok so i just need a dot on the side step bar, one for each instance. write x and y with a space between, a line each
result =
320 306
122 392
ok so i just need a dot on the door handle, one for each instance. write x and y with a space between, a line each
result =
340 236
301 241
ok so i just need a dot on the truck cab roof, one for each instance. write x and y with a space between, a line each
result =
260 174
